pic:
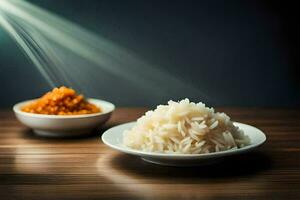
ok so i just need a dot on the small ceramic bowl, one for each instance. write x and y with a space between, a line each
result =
64 125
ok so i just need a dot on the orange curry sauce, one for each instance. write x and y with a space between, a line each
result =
61 101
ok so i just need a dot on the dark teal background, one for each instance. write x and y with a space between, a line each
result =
244 51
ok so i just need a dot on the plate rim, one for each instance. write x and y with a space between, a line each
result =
140 153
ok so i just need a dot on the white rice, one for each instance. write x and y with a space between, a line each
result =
184 127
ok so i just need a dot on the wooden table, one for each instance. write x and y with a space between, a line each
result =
84 168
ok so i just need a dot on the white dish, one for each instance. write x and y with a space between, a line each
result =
67 125
114 137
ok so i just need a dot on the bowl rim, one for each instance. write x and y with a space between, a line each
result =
17 110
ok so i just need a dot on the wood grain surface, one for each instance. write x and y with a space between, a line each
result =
32 167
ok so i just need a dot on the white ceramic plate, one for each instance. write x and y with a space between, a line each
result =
114 137
64 125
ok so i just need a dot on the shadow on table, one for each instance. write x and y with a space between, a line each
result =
29 134
234 166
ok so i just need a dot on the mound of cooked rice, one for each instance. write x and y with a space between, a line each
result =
184 127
